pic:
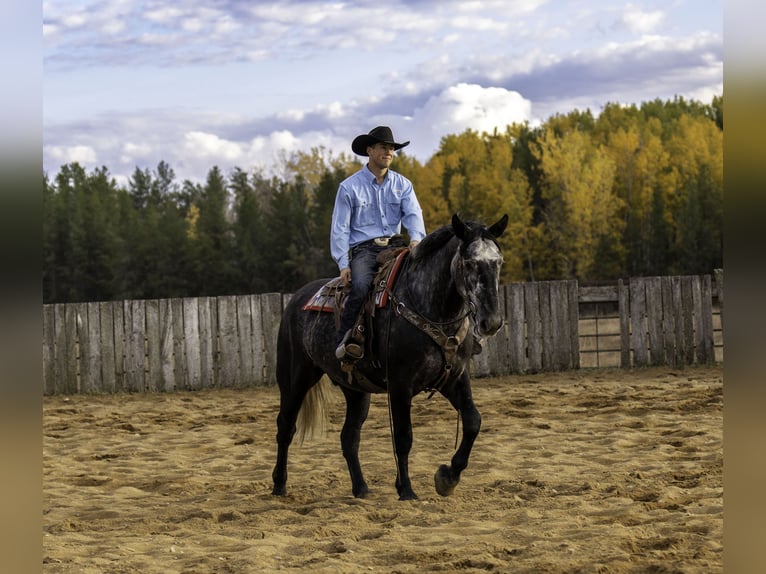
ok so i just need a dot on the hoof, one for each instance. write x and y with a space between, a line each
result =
362 493
279 491
444 482
405 492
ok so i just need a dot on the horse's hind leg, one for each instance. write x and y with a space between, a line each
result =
459 395
294 382
357 408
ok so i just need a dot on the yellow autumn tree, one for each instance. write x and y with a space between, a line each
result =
581 214
695 148
472 174
642 183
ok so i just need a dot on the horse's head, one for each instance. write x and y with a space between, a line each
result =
476 271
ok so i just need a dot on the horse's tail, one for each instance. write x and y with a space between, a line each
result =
314 416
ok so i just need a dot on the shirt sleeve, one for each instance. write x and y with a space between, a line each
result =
340 228
412 214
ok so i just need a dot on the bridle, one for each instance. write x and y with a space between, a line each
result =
449 344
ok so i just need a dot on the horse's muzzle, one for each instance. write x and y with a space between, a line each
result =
490 325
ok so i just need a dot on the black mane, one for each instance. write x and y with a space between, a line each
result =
439 238
433 242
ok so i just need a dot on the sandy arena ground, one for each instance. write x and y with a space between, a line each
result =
587 471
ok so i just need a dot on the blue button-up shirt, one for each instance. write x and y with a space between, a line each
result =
365 210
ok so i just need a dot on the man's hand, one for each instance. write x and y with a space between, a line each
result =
413 244
345 275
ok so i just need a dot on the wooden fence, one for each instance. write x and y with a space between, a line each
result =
229 342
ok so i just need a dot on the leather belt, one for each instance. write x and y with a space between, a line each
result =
378 241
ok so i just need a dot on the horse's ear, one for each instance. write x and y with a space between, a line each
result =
498 228
458 227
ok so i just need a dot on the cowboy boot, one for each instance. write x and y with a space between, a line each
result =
349 349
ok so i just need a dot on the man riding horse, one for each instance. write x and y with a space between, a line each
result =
370 208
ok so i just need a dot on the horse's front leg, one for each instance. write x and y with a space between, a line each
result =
459 395
400 404
357 408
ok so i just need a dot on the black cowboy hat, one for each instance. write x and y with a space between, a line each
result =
380 134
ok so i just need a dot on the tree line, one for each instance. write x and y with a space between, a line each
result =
635 191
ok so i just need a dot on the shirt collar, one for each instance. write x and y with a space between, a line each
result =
371 176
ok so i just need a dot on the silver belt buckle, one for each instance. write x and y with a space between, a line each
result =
382 241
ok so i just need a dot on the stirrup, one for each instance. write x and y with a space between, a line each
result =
349 350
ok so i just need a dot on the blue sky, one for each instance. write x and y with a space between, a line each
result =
128 83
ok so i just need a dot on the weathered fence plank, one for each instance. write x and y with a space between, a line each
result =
127 323
229 341
136 343
153 345
49 349
118 321
90 349
534 335
167 381
697 319
687 304
259 344
69 346
192 344
668 321
516 320
106 344
638 322
83 347
245 334
546 329
653 293
623 304
208 370
179 344
561 350
574 324
678 311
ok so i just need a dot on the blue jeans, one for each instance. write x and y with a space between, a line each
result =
363 266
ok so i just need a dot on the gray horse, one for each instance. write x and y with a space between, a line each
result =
446 296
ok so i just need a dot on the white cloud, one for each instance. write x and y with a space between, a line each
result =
164 14
208 146
192 24
640 22
136 153
82 154
267 151
461 107
74 20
